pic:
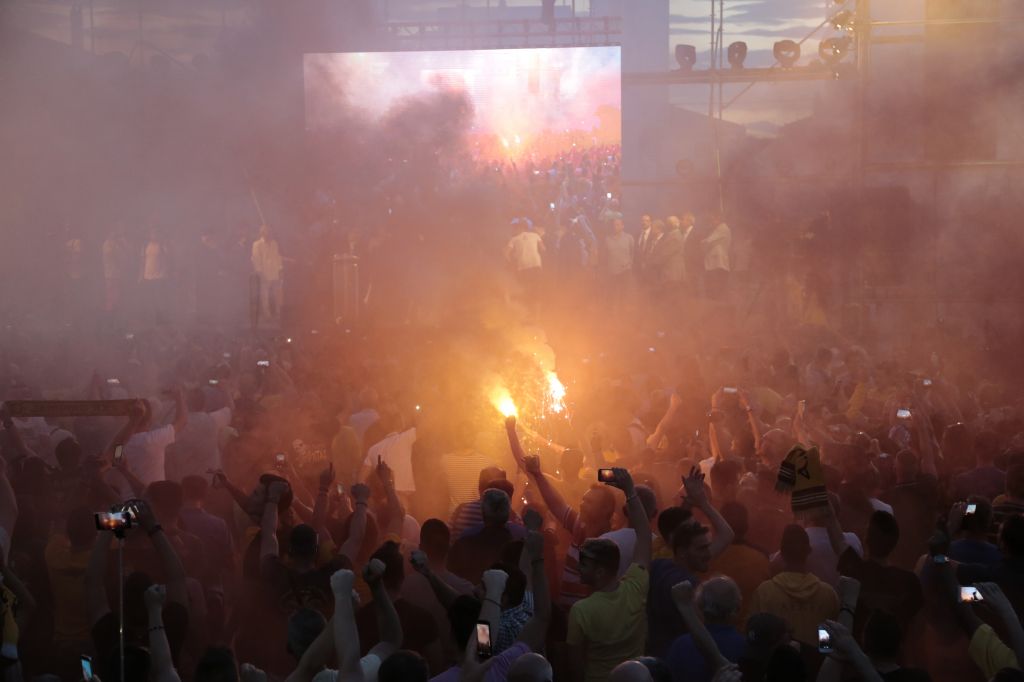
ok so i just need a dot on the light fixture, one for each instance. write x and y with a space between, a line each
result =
844 21
786 52
737 53
833 50
686 57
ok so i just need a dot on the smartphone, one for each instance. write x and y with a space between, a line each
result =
86 667
609 195
606 475
113 521
824 641
552 205
969 594
971 509
118 453
926 382
341 489
651 349
114 381
213 382
903 413
417 408
129 337
263 363
940 559
730 390
227 356
288 340
483 639
279 460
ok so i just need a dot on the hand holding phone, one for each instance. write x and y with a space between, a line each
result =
483 639
606 475
824 640
86 667
969 594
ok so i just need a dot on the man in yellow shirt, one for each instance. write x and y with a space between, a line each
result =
610 626
795 595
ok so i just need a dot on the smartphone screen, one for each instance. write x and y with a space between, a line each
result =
483 639
605 475
824 641
940 559
970 594
903 413
118 453
86 667
112 520
341 489
729 390
971 508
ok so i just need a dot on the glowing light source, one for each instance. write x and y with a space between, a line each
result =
503 403
556 393
844 21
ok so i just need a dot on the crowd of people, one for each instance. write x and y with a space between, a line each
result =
339 505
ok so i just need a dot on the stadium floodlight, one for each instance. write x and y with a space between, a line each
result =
844 21
786 52
686 57
737 53
833 50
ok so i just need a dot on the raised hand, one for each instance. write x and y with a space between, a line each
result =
419 561
341 583
510 423
361 493
494 580
682 593
532 464
533 520
693 488
373 571
276 490
534 545
623 480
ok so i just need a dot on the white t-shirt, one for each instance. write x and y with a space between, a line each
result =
718 243
523 250
144 453
625 538
266 259
196 449
396 451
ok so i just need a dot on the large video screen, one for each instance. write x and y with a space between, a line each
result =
521 104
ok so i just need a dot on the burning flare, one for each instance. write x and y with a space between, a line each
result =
502 401
556 393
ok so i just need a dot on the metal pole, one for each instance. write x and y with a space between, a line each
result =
120 601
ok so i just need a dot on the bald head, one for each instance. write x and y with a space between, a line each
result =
530 668
630 671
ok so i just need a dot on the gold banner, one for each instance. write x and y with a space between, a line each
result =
69 408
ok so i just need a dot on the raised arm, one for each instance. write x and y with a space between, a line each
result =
444 592
395 510
835 532
654 440
159 648
535 632
925 439
552 498
752 420
357 526
849 590
17 443
513 442
494 586
696 496
682 595
268 522
844 644
220 480
320 506
388 625
346 634
996 600
637 517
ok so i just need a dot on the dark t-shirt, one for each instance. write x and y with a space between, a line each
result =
907 675
293 590
885 588
914 506
664 624
471 555
418 627
104 635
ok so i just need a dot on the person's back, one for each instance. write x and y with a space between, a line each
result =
795 595
745 564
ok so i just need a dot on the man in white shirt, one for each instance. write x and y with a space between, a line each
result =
619 252
144 450
395 450
524 251
716 258
267 264
196 448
